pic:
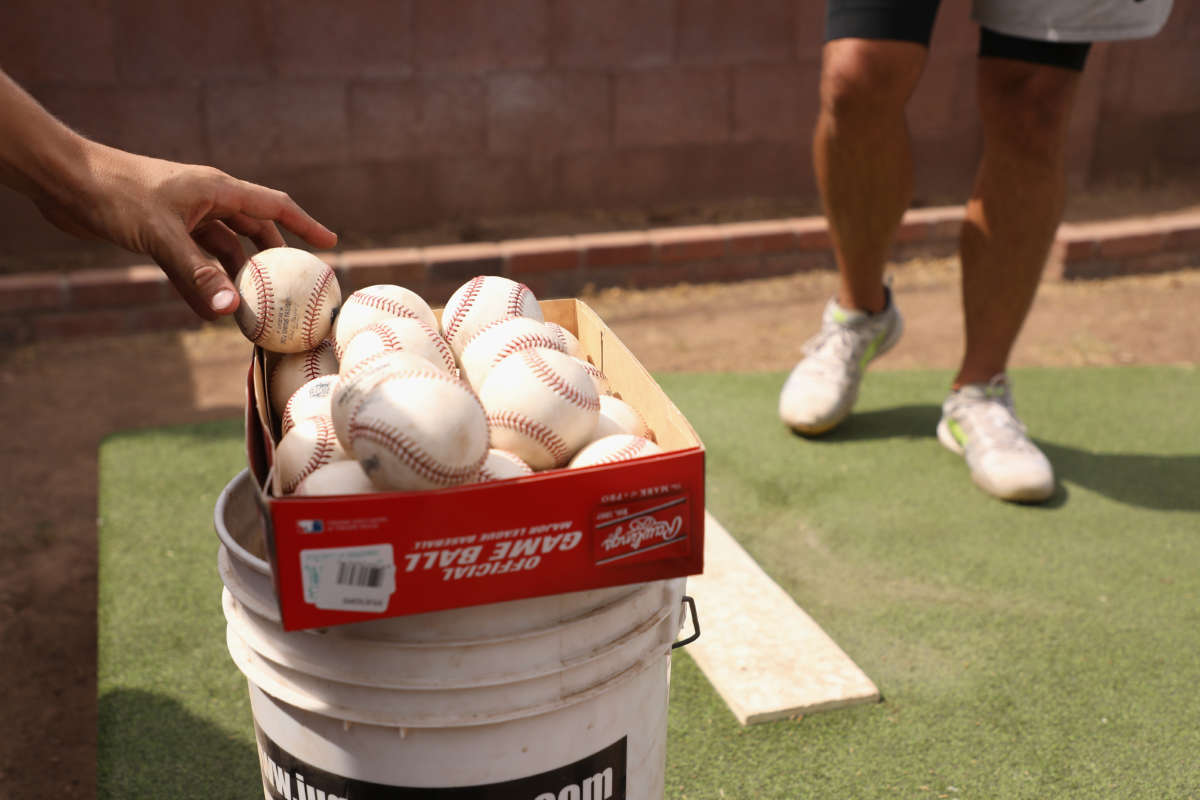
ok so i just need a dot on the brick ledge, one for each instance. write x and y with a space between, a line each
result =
36 306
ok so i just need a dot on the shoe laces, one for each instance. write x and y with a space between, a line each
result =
835 350
991 416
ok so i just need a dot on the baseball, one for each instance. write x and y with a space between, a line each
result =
541 405
289 298
500 465
495 342
611 449
354 383
617 416
293 370
567 341
375 304
419 430
310 400
598 378
338 477
306 447
482 300
405 334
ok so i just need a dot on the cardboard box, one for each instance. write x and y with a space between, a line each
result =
343 559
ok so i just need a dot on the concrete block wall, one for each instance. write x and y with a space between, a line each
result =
388 115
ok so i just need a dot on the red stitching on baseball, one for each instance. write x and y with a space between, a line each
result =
410 453
555 382
516 306
473 288
381 303
312 360
323 448
262 291
312 311
525 342
629 450
442 346
387 337
519 423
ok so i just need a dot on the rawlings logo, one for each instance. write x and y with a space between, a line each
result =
640 530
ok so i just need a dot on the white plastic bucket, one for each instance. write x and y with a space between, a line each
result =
555 698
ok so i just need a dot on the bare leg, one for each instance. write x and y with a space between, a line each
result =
862 156
1015 206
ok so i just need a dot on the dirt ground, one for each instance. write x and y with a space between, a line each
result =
60 399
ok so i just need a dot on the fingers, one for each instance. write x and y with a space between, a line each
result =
202 282
218 239
262 232
236 197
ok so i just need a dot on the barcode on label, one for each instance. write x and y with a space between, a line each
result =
349 574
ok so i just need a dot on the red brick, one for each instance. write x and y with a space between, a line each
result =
810 29
58 42
29 291
129 286
401 266
1145 78
163 317
160 42
73 324
480 35
161 122
280 124
15 329
1126 245
690 243
1184 237
752 238
420 117
616 249
628 34
774 102
944 102
727 32
498 185
1076 247
1159 262
672 106
787 263
812 233
954 31
461 262
550 254
613 178
359 39
549 113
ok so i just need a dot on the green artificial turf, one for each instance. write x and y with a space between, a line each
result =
1040 652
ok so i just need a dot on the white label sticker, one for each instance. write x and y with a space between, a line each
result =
349 578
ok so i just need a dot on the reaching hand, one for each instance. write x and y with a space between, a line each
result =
185 217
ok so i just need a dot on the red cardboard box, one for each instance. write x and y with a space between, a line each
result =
343 559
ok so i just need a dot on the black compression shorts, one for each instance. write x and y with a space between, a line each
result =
912 21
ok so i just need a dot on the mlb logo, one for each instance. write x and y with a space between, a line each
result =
310 525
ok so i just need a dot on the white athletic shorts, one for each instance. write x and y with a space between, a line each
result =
1073 20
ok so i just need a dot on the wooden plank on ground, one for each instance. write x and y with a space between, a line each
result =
763 654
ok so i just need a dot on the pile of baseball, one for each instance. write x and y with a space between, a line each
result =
380 396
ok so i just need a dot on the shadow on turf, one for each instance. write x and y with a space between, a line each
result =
1159 482
149 746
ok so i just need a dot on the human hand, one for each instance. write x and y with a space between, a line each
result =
187 218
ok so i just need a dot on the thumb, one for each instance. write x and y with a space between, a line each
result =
197 276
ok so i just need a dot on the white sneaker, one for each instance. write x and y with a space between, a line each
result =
823 387
979 422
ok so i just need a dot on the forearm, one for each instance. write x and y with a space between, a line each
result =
39 156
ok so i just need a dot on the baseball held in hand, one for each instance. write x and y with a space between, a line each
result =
289 298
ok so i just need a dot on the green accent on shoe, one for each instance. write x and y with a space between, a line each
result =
872 348
839 315
957 432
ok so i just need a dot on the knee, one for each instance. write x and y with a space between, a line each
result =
1027 108
868 77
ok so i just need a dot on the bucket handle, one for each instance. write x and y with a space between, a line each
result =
691 604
